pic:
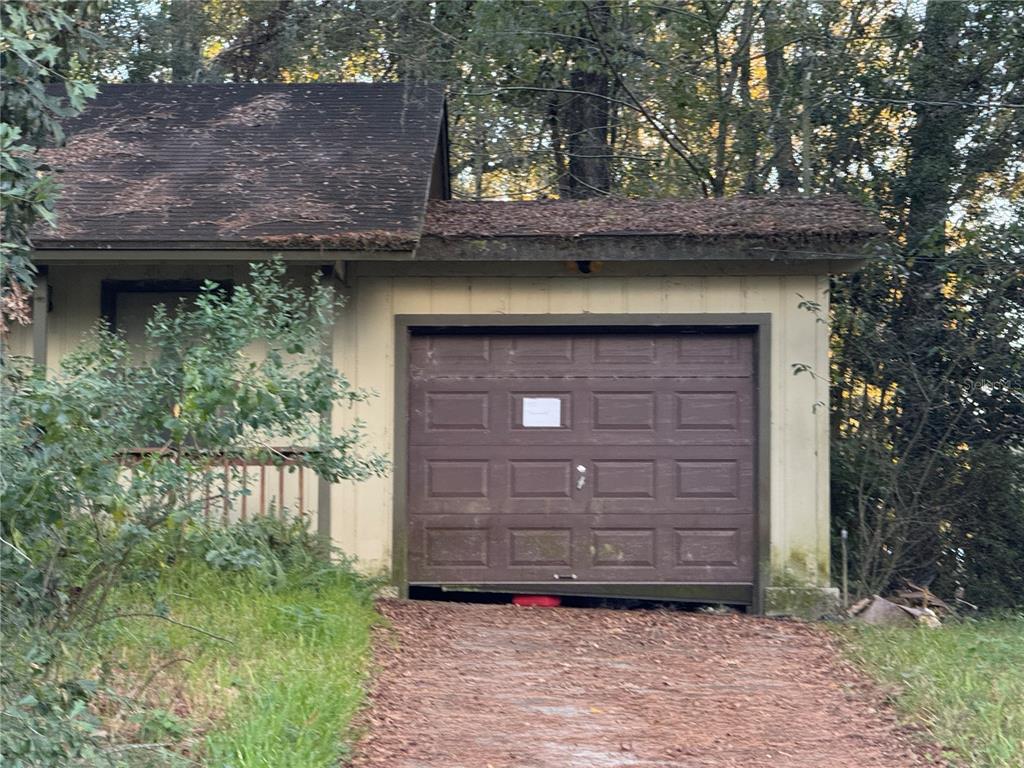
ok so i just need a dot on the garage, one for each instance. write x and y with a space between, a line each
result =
609 461
589 396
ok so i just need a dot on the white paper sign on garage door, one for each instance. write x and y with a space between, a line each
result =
542 412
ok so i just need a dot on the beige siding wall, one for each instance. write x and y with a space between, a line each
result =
19 341
75 297
365 351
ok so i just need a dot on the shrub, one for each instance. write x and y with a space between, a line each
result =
76 525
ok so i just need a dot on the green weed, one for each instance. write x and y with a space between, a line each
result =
963 682
279 690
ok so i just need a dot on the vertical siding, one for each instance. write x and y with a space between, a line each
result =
343 495
19 340
799 498
797 434
364 350
823 366
374 369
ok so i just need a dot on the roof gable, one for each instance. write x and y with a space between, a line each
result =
339 166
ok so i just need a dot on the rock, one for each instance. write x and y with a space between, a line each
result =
878 611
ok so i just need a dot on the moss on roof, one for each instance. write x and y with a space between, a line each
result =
776 218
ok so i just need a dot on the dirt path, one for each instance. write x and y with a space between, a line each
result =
478 686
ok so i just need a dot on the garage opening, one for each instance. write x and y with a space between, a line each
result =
604 462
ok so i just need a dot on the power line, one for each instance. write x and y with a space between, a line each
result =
976 104
869 256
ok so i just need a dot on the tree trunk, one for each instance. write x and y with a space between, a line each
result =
261 50
777 78
558 146
721 108
186 22
806 128
928 402
584 116
934 77
479 158
746 126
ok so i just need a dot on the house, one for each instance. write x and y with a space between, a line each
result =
594 397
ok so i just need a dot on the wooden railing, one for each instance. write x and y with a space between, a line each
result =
241 489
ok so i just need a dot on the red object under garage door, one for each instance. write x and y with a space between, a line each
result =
582 458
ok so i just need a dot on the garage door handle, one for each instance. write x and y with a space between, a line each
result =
564 576
581 480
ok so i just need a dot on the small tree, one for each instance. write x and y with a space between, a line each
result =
44 42
928 421
76 523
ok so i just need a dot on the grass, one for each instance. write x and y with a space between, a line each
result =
963 682
282 692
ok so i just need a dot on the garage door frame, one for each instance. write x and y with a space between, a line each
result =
757 323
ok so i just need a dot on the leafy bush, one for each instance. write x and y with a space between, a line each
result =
108 463
263 543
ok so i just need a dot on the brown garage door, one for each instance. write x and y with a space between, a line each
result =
598 457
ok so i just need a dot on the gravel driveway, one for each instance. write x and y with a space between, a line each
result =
491 686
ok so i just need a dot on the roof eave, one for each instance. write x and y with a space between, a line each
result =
209 252
648 247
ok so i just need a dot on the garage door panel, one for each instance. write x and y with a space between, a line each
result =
457 478
624 479
453 353
456 546
623 547
602 458
707 410
597 548
622 350
545 546
591 548
712 412
491 412
516 480
708 479
626 410
708 554
451 547
707 547
540 478
444 411
456 410
526 352
568 355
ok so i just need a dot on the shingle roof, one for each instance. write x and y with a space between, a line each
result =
342 167
194 166
737 218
